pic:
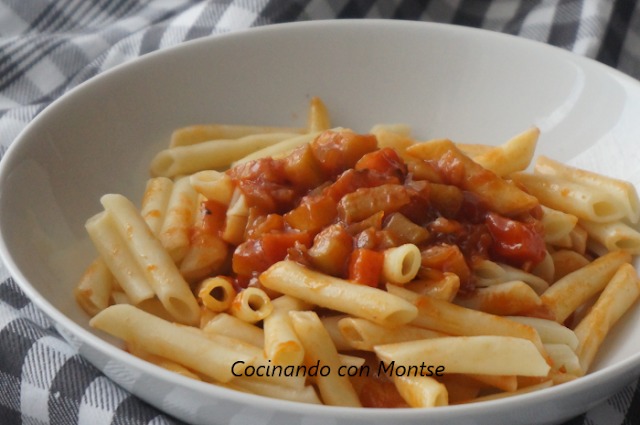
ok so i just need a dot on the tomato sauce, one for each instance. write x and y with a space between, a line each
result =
293 201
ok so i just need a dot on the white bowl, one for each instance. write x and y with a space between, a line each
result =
468 85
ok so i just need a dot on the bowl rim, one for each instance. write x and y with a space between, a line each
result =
608 375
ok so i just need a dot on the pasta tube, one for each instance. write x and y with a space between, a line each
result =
305 395
444 289
155 203
251 305
500 195
421 391
167 340
335 390
564 296
512 156
331 325
565 262
454 320
369 303
216 294
622 193
159 270
614 236
361 334
232 327
502 299
113 250
213 185
550 332
175 232
195 134
190 159
95 287
488 355
581 201
400 264
318 118
557 224
621 292
281 345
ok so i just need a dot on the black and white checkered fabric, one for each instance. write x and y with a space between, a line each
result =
49 46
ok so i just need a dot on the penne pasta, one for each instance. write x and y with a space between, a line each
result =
622 193
167 340
213 185
503 299
488 355
421 391
281 345
564 296
113 250
216 294
157 266
504 382
614 235
563 356
155 203
581 201
305 395
565 262
444 289
335 390
288 303
514 155
545 270
500 195
473 150
251 305
318 118
184 160
181 210
232 327
172 366
557 224
331 324
401 264
578 239
95 287
369 303
454 320
283 146
489 273
529 389
195 134
620 293
361 334
549 331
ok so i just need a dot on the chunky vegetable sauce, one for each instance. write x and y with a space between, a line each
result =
334 205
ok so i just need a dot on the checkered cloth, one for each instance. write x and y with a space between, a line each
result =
49 46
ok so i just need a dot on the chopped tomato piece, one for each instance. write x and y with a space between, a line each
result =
365 267
256 255
385 161
337 152
213 216
314 213
352 180
259 224
514 242
331 249
447 258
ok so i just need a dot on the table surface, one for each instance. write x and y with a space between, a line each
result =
50 46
